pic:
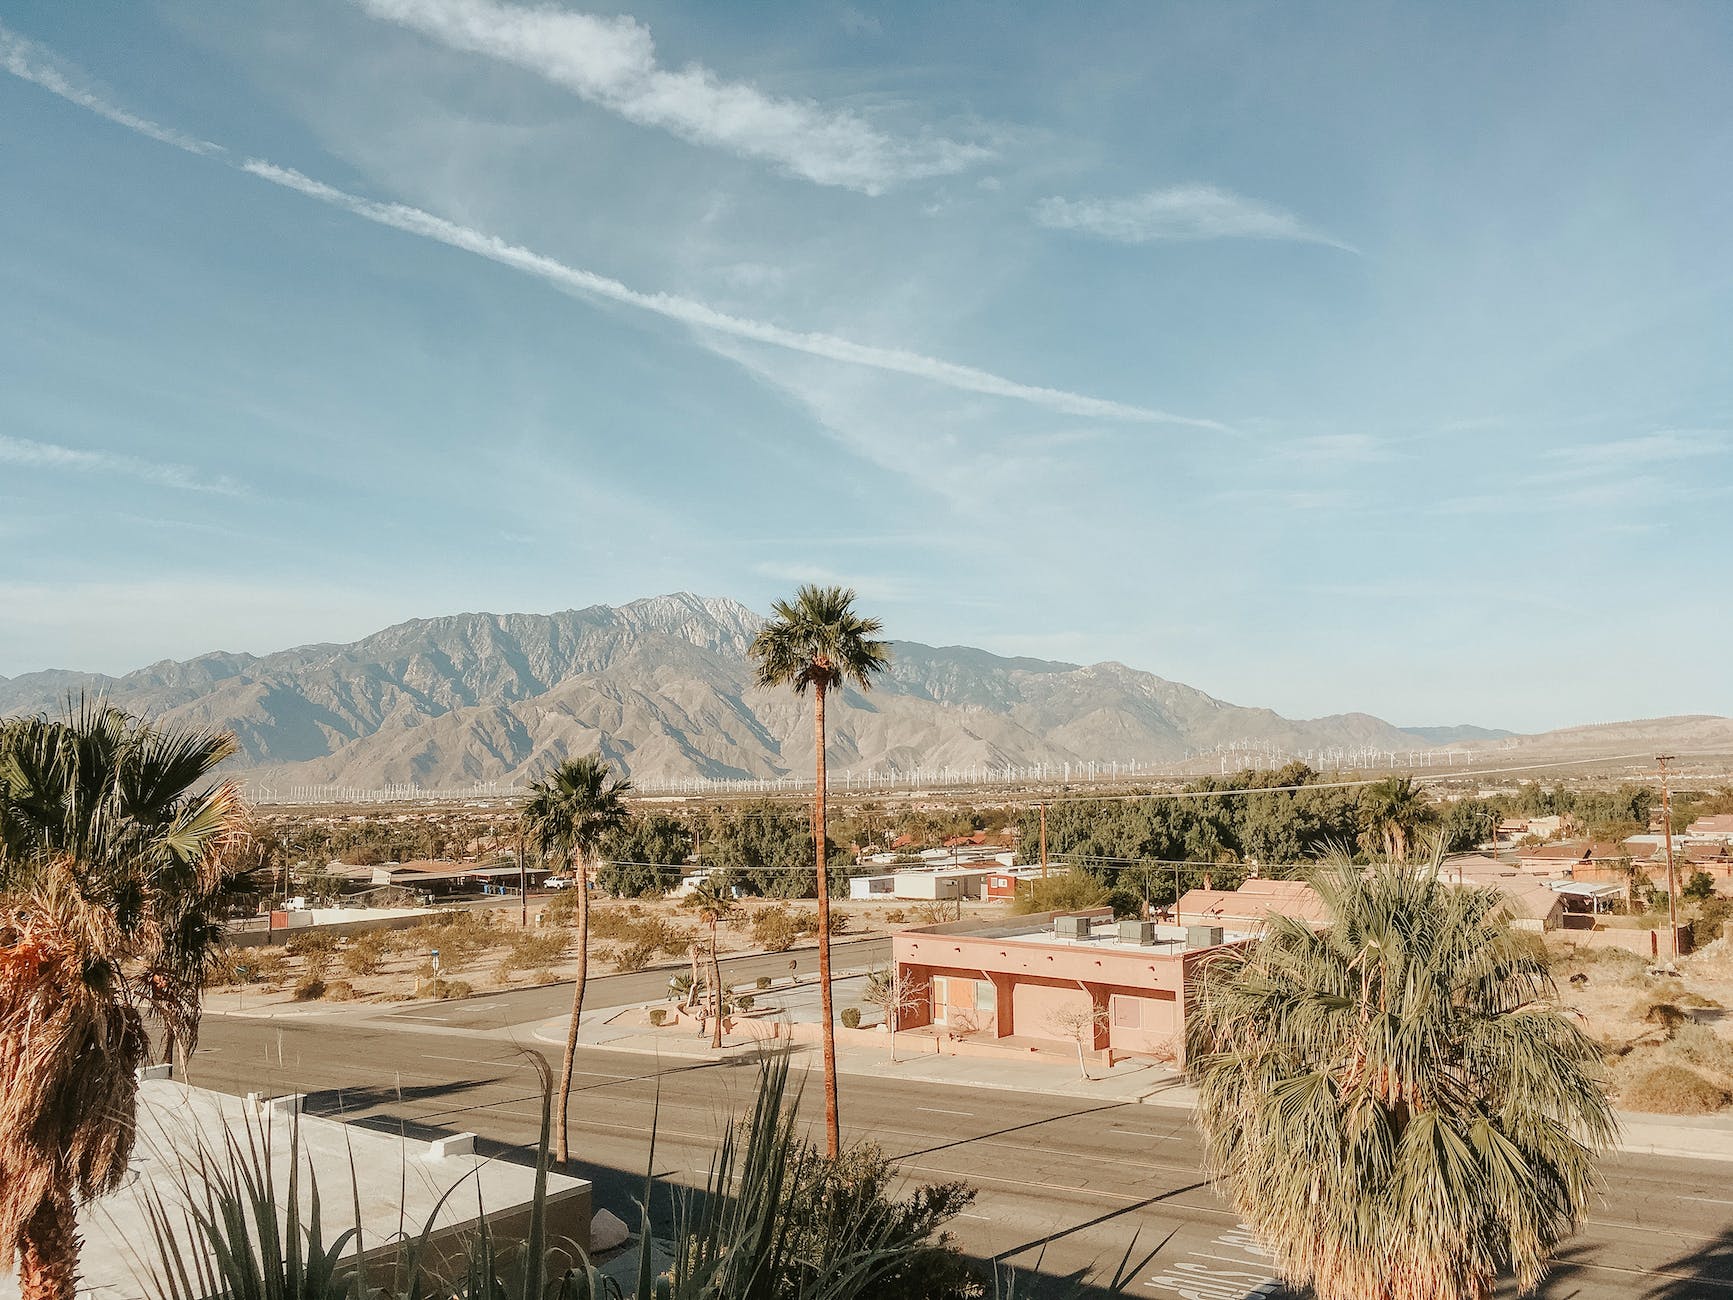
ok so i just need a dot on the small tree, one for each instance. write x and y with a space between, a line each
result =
893 996
1699 888
1080 1024
712 904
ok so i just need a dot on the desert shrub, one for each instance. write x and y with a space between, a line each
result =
339 991
1691 998
505 971
850 1017
230 965
1672 1090
267 965
1073 891
1712 916
938 913
1699 887
538 949
839 922
762 982
309 988
1700 1046
896 916
310 941
542 976
1586 955
365 953
658 1016
776 929
444 988
1666 1014
634 956
744 1001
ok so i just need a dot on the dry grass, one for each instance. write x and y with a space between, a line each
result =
1671 1090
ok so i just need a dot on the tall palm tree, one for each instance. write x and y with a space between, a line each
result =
1395 1103
712 904
817 640
113 872
566 815
1394 811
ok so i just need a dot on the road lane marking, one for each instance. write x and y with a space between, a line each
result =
934 1110
1707 1200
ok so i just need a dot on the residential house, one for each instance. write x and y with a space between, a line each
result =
1251 905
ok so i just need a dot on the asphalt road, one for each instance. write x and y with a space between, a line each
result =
1063 1185
533 1005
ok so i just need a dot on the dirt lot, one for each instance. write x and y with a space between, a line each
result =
480 950
1667 1039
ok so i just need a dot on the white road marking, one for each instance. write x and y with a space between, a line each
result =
934 1110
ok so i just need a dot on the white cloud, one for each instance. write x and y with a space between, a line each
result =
1648 448
870 588
47 455
689 311
612 62
692 312
32 63
1179 212
1335 449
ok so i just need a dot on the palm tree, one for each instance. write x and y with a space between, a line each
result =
1394 811
1394 1102
566 815
712 904
818 640
113 874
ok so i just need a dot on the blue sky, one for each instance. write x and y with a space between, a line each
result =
1322 357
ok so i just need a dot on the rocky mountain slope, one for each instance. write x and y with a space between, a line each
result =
663 687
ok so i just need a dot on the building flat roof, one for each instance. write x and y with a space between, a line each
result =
398 1181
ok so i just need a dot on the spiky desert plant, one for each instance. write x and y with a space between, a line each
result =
1394 1102
113 872
565 816
817 640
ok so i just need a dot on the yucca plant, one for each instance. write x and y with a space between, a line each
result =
775 1220
1395 1103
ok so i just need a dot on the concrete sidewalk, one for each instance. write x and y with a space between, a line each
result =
625 1029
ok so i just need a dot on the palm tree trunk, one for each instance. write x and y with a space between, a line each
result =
582 885
48 1250
832 1128
715 986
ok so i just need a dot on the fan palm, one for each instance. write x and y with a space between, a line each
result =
817 640
566 815
1393 812
1394 1102
712 903
113 871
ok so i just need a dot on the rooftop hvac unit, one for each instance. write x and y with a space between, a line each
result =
1203 936
1138 932
1071 927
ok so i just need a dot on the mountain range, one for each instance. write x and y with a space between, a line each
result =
664 688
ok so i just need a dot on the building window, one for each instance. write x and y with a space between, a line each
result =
1127 1014
986 997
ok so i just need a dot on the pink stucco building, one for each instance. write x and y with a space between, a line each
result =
1031 982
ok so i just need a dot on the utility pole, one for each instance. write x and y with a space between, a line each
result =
523 887
1043 841
1661 761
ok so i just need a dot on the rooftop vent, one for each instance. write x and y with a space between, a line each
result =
1138 932
1203 936
1071 927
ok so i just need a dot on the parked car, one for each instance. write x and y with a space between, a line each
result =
558 882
